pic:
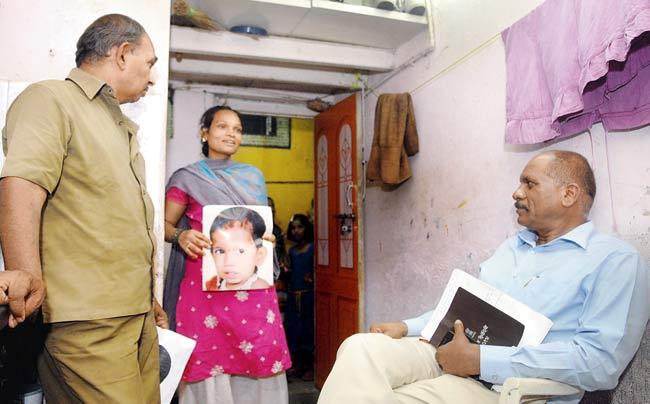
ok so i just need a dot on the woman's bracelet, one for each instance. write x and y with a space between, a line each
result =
177 235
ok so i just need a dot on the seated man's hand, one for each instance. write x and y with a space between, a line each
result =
23 292
393 330
459 356
162 320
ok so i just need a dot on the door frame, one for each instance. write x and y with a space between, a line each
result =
360 191
359 224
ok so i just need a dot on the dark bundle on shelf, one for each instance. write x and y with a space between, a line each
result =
185 15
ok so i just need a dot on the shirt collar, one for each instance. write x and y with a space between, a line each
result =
88 83
131 126
91 86
579 235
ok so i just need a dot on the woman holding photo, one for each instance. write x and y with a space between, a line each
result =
241 352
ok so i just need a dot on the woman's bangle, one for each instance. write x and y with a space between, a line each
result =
177 235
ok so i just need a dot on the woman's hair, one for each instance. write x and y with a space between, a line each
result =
206 121
244 217
309 228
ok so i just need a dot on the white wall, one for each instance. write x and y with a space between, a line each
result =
457 208
190 101
185 145
38 41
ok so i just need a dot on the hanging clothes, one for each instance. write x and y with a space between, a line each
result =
395 139
572 63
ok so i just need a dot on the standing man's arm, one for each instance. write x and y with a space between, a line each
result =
35 140
21 204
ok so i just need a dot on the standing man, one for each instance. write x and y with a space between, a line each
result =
74 212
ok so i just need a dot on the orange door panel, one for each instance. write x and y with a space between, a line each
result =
336 232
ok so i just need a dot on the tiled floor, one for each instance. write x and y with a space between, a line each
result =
302 392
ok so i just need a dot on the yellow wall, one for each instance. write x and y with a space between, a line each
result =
294 168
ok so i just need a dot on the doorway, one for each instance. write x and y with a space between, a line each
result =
339 279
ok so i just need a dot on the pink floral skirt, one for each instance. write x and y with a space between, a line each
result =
236 332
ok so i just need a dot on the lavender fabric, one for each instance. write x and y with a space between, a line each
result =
572 63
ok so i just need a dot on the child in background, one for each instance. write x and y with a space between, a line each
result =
237 250
299 314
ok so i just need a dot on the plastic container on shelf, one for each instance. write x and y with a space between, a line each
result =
390 5
417 7
249 30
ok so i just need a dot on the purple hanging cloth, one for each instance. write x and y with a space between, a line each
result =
572 63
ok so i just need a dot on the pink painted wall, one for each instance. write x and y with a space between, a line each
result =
457 208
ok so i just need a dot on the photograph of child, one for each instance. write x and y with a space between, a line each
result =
239 258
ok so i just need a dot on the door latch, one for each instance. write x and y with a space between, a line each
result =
347 220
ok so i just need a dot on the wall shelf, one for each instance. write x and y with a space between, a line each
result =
322 20
278 17
317 46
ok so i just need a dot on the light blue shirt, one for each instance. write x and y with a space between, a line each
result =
594 287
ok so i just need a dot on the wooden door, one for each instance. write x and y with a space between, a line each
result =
336 232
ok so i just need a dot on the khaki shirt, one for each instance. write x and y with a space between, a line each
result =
97 242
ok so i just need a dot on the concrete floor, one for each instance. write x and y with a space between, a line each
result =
301 392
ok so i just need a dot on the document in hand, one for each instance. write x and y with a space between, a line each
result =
490 316
175 350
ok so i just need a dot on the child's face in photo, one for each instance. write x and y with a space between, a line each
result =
235 254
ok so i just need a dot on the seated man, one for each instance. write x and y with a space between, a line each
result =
593 287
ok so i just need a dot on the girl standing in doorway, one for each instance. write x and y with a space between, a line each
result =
300 301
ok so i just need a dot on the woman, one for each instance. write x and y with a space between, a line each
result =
241 352
300 302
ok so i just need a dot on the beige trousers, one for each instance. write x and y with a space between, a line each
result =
374 368
113 360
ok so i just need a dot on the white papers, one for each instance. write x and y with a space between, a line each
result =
175 351
536 325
